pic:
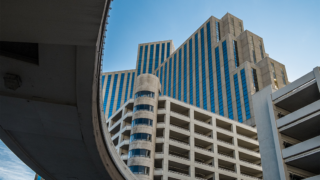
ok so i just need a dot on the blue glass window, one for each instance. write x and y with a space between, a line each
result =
156 63
245 93
120 91
227 78
102 80
179 76
210 68
203 65
143 107
140 59
165 80
140 137
144 94
236 88
161 70
127 88
217 31
141 121
197 70
39 177
235 53
114 87
145 59
174 75
168 49
220 98
139 170
169 79
190 72
185 73
132 84
106 94
162 52
151 59
139 153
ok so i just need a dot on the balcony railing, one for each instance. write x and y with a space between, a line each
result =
179 157
249 163
225 142
183 174
203 135
200 178
251 176
228 170
224 129
158 169
247 137
204 164
226 156
179 114
180 127
179 142
202 121
248 149
197 147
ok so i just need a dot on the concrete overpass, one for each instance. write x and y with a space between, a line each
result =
50 65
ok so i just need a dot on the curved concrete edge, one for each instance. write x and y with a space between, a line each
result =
113 163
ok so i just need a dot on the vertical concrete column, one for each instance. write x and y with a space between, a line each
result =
192 144
145 82
166 135
316 72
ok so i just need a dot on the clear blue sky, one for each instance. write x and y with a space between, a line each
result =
290 28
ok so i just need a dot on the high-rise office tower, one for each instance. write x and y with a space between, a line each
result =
187 113
217 69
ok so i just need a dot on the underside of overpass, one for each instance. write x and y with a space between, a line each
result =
50 63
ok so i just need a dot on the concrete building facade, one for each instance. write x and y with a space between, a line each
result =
288 122
217 69
160 137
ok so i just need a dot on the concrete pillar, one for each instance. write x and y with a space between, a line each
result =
192 144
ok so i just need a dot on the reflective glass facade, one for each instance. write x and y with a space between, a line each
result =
144 94
143 107
190 73
174 75
165 80
145 59
106 93
140 137
139 170
168 49
227 79
235 53
185 73
217 31
156 63
141 121
114 87
218 70
151 59
210 68
140 59
255 80
132 84
139 153
236 89
179 76
245 94
203 67
127 88
162 52
197 71
120 91
161 70
169 79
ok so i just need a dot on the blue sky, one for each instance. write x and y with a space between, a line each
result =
290 28
11 167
